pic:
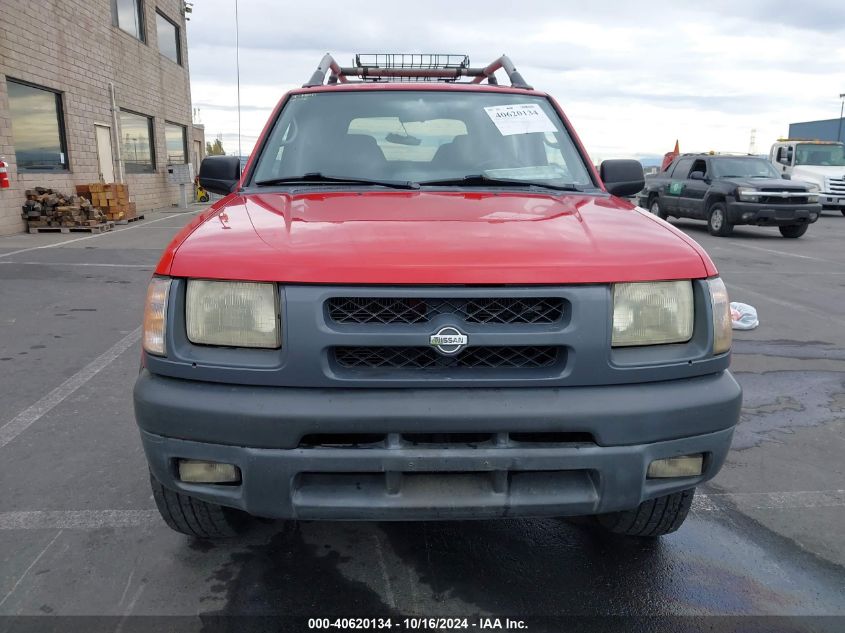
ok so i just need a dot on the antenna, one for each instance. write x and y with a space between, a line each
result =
238 73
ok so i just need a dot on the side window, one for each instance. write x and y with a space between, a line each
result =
682 169
128 15
137 145
699 165
167 34
282 136
37 127
176 141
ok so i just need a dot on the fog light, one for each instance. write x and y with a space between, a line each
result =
686 466
747 216
198 472
813 216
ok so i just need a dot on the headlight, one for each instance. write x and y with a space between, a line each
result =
748 194
652 313
232 313
721 315
155 315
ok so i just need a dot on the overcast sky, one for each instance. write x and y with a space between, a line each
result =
632 76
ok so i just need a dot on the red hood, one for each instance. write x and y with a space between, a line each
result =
432 238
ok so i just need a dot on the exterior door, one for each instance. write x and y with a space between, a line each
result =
196 156
692 199
104 153
675 186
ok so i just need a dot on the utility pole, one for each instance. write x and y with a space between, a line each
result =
841 111
238 73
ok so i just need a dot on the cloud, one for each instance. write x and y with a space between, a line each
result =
633 77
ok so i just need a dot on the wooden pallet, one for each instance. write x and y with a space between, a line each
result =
97 228
128 220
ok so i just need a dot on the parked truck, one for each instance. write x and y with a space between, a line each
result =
728 190
819 163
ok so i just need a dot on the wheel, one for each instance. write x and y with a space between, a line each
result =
717 220
654 517
793 230
194 517
204 197
655 208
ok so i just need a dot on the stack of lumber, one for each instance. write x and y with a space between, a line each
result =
46 207
110 198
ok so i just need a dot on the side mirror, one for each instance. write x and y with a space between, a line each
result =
220 174
786 176
697 175
622 177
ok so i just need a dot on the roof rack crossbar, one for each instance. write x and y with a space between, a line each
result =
505 64
413 66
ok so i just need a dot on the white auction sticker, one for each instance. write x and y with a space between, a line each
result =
520 118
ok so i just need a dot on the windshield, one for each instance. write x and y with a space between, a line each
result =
744 168
813 154
420 136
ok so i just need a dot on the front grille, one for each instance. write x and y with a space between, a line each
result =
409 310
764 199
837 185
523 439
505 357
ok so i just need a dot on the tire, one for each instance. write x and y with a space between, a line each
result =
793 230
717 220
652 518
655 208
197 518
204 198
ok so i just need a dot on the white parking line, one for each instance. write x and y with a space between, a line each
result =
785 253
702 503
89 264
28 569
770 500
794 305
76 519
29 416
91 237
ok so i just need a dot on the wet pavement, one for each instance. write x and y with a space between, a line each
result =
79 535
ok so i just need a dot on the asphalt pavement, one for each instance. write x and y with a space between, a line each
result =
79 534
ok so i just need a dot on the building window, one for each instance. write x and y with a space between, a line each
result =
129 16
37 127
176 139
168 38
136 143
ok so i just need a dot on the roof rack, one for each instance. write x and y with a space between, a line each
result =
714 153
413 67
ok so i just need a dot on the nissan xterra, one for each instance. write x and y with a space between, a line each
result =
420 301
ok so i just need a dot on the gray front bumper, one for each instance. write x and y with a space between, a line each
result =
259 430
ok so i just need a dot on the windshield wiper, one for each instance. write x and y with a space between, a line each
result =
483 180
314 178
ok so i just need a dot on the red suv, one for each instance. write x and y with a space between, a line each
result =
420 301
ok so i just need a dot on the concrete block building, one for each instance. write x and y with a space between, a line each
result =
94 90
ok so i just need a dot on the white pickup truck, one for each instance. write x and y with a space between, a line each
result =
819 163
